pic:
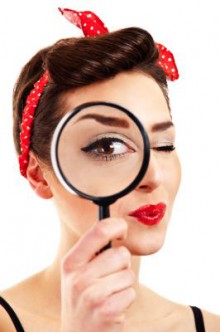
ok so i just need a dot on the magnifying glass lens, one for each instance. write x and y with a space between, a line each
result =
100 150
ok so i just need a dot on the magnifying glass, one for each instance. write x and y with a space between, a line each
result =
100 151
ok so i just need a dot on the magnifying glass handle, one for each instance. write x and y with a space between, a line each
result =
104 213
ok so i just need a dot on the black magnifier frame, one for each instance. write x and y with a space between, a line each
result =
102 201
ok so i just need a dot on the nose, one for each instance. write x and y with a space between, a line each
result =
153 177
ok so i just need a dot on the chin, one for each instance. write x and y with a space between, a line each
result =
146 249
144 244
146 240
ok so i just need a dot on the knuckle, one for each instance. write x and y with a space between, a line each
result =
100 231
121 224
118 221
124 253
108 311
77 284
111 226
65 265
92 299
131 277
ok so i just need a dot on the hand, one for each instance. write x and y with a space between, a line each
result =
97 289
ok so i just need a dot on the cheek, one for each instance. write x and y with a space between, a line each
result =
78 213
73 210
172 176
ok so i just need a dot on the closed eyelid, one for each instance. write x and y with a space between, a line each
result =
167 137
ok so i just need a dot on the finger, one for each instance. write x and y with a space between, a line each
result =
93 241
118 303
99 292
109 262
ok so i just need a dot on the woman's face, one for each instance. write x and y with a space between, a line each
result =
148 223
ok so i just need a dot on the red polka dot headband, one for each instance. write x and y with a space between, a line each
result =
91 26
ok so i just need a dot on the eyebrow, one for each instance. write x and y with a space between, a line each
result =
106 120
162 126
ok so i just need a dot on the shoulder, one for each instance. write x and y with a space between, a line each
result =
23 292
6 324
20 299
212 321
184 317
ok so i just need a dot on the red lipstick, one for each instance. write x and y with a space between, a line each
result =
149 215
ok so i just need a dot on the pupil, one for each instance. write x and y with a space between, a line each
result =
106 148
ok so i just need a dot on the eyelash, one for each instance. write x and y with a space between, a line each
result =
93 146
165 148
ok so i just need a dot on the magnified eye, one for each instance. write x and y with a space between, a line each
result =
108 148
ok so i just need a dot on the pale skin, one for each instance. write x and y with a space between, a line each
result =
84 292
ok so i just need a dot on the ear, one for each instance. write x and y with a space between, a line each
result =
36 178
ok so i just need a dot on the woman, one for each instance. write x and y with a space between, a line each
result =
82 291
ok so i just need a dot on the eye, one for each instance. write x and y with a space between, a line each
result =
164 148
108 148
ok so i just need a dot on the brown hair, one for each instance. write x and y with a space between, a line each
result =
74 63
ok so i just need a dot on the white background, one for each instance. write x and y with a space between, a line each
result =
187 269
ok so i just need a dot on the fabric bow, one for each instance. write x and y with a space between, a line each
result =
92 26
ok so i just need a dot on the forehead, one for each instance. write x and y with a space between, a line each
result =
135 91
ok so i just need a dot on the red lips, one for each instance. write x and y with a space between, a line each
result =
150 215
